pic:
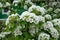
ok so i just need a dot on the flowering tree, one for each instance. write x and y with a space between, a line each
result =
36 23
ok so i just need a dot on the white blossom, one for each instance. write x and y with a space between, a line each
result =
7 20
54 33
29 17
47 16
38 8
18 31
3 34
43 36
33 30
28 2
56 22
39 19
48 25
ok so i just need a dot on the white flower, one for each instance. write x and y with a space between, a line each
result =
47 25
42 10
28 2
1 4
33 7
33 30
43 36
3 34
47 16
17 31
9 18
54 33
56 22
39 19
29 17
25 7
38 8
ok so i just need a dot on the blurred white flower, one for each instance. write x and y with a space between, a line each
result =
38 8
43 36
3 34
29 17
9 18
39 19
56 22
18 31
48 17
28 2
1 4
48 25
54 33
33 30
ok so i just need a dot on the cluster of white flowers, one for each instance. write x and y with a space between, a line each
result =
38 8
28 2
31 17
9 18
54 33
2 34
43 36
33 30
18 31
48 17
56 22
49 27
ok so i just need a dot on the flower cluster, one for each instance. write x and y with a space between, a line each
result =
33 23
38 9
36 23
31 17
43 36
49 27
